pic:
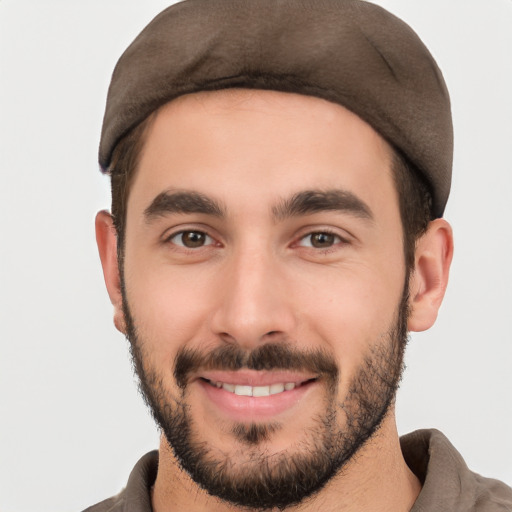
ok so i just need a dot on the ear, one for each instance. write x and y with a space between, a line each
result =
433 257
106 238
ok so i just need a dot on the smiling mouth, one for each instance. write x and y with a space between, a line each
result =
258 391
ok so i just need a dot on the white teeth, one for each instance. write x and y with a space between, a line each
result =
243 390
261 391
257 391
276 388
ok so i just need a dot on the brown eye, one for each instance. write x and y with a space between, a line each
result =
191 239
320 240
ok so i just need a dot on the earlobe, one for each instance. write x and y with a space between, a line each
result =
106 239
433 257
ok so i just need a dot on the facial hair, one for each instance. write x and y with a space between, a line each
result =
285 479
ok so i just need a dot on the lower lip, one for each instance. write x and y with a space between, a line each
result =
248 408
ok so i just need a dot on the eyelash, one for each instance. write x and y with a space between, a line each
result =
199 232
211 241
337 240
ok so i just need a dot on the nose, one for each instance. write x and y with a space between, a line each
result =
254 304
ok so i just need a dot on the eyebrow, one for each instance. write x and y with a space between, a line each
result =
305 202
314 201
182 202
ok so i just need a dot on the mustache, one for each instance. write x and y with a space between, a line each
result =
271 356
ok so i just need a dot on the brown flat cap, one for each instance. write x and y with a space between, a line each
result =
349 52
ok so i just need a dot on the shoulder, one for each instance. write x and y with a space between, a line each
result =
447 482
137 494
491 495
114 504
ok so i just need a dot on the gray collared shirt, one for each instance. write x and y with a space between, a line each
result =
447 483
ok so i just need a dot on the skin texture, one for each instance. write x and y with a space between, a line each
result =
258 279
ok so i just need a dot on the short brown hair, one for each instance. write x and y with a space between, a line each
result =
125 161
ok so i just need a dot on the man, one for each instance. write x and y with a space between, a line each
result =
279 175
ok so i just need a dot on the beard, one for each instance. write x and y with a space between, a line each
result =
283 479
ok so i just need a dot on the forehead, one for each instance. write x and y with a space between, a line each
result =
222 141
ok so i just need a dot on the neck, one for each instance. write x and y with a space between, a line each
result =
375 479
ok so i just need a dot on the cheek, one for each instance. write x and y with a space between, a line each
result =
170 306
352 310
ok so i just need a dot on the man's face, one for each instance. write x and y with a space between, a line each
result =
264 257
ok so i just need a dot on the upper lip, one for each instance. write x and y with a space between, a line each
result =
255 377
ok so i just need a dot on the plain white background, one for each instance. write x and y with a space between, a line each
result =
71 422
